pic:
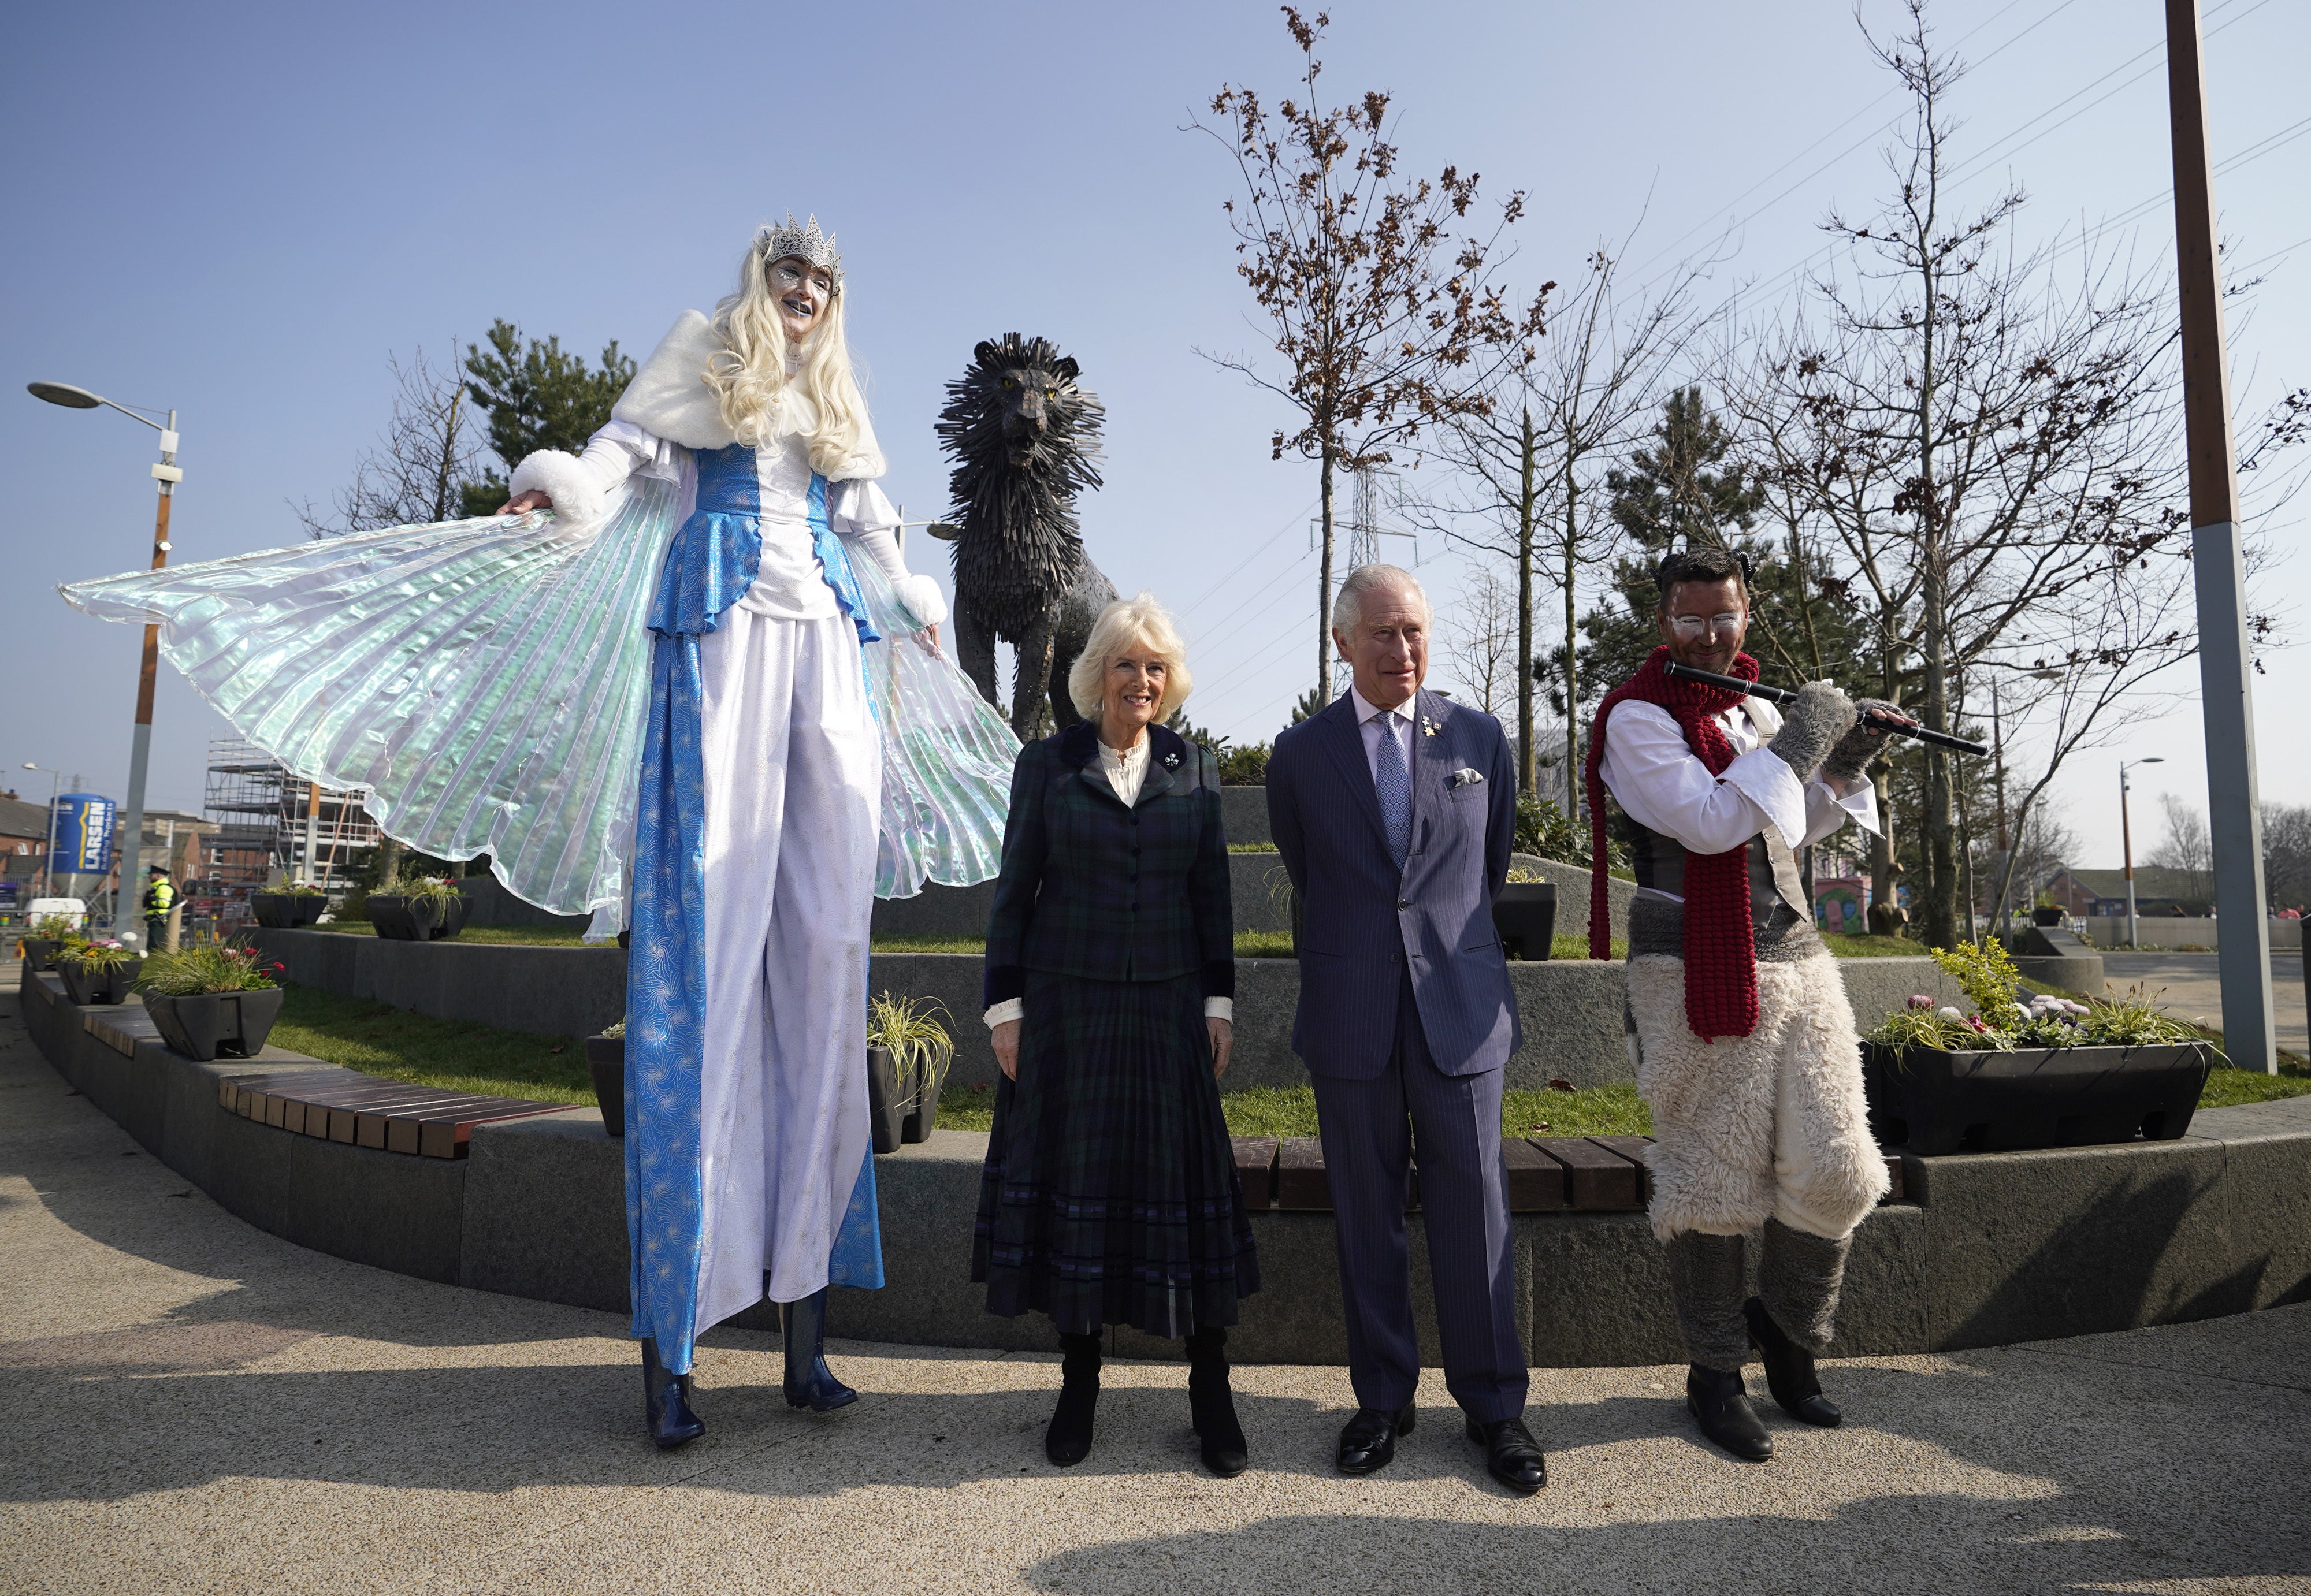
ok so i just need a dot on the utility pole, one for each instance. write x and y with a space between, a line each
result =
2226 680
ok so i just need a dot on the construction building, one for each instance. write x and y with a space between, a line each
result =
265 827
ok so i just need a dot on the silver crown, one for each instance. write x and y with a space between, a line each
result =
803 242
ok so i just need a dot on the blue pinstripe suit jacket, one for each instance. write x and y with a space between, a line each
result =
1364 922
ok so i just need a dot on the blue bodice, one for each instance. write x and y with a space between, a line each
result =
713 558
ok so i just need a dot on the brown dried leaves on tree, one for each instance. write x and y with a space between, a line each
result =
1387 320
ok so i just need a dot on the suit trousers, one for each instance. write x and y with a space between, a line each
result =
1369 1130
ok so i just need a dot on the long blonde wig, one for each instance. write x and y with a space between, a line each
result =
759 400
1123 626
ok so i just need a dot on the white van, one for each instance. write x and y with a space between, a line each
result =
72 909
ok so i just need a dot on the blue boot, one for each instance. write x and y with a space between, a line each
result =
666 1403
810 1384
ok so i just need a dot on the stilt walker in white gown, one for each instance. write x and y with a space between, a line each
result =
717 599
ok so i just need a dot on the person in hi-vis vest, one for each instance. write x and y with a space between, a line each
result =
160 899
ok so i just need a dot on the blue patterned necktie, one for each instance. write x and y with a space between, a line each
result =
1395 785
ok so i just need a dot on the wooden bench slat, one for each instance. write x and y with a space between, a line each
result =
1536 1180
447 1136
1255 1167
1633 1148
1595 1178
1300 1181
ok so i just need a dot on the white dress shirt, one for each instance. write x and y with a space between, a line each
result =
1373 723
1664 786
1126 769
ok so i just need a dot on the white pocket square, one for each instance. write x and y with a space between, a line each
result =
1465 777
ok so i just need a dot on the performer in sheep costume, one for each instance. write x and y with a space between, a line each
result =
1744 1042
711 597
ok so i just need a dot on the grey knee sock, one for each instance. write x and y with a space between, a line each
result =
1705 1276
1798 1280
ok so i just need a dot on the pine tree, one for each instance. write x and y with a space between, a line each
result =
537 397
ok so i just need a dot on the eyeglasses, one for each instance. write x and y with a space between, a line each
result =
1693 625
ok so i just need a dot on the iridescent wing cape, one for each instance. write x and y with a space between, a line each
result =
486 682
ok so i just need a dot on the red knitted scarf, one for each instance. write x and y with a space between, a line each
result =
1721 947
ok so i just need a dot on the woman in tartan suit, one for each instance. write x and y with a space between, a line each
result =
1111 1194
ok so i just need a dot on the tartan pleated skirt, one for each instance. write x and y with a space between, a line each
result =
1110 1194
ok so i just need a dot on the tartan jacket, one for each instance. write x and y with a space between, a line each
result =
1091 888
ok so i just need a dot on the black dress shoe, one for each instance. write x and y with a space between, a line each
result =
1790 1372
666 1403
1368 1440
1721 1404
1511 1455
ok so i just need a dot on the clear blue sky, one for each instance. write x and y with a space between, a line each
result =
241 211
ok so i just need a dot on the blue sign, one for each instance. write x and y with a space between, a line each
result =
83 836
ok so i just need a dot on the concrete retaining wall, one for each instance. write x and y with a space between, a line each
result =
2175 931
1571 1010
1989 1248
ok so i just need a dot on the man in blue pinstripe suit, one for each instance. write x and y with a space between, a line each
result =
1394 810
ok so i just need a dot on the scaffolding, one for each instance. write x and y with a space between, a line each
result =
271 826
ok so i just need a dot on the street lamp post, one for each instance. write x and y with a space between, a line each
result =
2126 836
167 474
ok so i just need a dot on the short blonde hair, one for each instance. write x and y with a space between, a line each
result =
1122 626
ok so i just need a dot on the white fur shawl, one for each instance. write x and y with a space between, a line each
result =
669 397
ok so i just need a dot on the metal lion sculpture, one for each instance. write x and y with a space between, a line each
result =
1023 438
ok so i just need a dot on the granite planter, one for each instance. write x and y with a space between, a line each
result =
215 1025
606 1060
886 1109
1934 1102
924 1115
418 919
2045 917
40 952
286 911
1525 916
85 986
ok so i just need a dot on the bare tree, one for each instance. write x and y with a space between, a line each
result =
415 474
1388 325
1482 640
1524 459
1980 439
2185 845
2286 855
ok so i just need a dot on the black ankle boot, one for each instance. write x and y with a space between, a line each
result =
1211 1405
809 1382
666 1403
1790 1372
1721 1403
1067 1441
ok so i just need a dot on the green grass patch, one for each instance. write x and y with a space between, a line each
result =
1264 944
1873 948
1291 1111
2227 1087
1252 848
971 944
456 1055
502 935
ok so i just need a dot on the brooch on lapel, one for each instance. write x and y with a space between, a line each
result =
1171 762
1465 777
1429 729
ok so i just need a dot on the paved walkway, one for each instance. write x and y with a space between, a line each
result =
193 1405
2189 985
